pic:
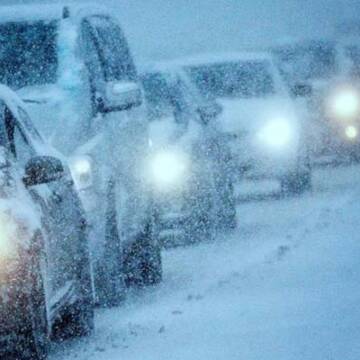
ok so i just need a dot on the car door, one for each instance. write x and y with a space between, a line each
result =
124 133
57 211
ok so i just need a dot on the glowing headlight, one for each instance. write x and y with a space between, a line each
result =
345 104
277 133
351 132
8 233
168 169
81 170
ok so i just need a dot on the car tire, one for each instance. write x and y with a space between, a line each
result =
200 225
143 260
34 329
151 264
296 184
227 216
78 319
110 284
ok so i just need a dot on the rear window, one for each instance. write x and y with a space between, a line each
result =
28 53
244 79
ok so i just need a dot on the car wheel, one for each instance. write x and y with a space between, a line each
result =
227 214
296 184
110 284
151 264
35 331
200 225
143 261
78 320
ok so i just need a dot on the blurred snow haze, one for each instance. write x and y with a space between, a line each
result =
162 29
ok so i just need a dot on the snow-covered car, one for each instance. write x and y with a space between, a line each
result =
332 71
45 273
73 67
187 171
265 130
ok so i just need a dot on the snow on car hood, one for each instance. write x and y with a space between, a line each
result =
249 115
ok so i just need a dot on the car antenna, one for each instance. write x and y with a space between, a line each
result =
66 12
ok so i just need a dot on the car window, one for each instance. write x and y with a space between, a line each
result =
157 94
244 79
166 97
28 53
26 121
113 50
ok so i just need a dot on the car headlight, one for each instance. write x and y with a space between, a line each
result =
351 132
168 169
276 134
345 104
9 230
81 170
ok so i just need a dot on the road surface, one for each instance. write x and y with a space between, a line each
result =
285 285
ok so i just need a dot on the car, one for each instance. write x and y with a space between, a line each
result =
264 127
331 69
73 67
45 270
192 189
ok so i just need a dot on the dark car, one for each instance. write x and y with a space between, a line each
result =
45 277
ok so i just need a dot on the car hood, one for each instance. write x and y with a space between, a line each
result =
249 115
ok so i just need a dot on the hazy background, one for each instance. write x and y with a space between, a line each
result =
169 28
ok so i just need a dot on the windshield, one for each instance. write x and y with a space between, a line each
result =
28 53
308 62
245 79
165 97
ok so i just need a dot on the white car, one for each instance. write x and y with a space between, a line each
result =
332 71
188 172
264 128
73 67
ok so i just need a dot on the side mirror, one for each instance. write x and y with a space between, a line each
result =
119 96
209 111
301 90
42 170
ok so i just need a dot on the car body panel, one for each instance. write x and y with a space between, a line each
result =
49 220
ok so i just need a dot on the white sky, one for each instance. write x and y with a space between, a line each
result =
169 28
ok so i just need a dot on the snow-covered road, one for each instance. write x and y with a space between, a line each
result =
286 285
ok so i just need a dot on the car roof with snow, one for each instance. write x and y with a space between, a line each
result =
223 57
37 12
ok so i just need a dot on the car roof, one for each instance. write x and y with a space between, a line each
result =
210 58
36 12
